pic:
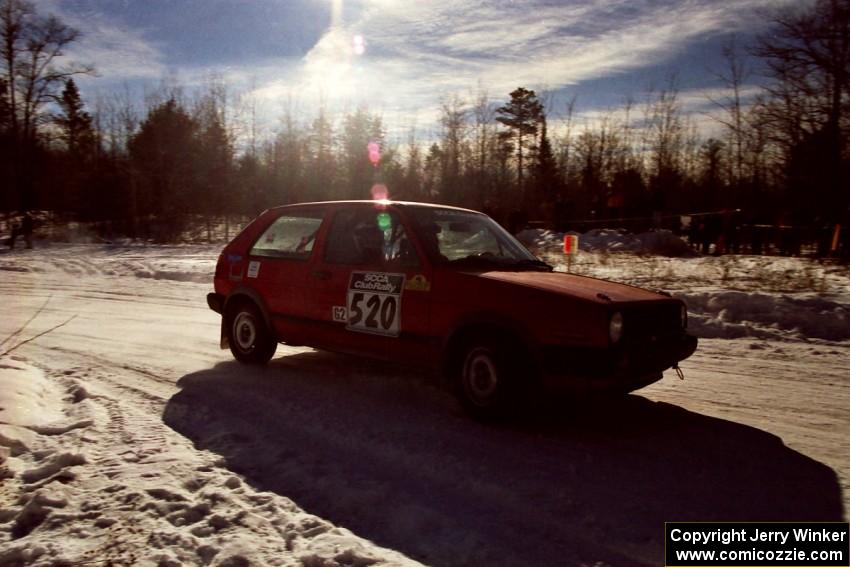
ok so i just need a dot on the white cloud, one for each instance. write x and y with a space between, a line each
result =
116 52
419 51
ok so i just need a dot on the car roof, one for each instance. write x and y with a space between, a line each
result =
400 204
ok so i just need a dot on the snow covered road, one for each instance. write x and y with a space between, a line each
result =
164 451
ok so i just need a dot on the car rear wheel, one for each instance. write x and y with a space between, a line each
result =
488 381
249 337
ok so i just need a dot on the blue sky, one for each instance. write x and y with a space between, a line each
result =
296 53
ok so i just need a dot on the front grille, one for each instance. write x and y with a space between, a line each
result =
651 323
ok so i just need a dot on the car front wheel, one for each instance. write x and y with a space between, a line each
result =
488 380
249 337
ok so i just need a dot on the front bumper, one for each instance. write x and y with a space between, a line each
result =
625 367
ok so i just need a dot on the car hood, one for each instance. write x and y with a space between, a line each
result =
591 289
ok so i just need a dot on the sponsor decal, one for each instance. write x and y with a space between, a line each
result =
373 303
377 282
253 269
417 283
236 267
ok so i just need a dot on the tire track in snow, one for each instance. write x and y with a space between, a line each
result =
138 494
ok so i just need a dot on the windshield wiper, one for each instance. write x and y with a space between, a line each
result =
477 259
535 263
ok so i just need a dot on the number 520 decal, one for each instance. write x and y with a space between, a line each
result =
374 303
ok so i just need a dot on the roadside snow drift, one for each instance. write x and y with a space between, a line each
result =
656 242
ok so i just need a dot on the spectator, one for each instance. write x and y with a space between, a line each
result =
27 228
24 229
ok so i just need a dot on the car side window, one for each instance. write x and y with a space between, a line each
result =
289 237
369 237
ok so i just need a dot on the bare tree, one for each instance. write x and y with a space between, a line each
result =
733 118
30 45
117 119
565 143
483 114
808 55
664 133
453 114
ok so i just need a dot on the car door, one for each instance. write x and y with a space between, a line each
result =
368 287
278 266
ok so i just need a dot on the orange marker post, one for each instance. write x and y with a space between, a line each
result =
836 239
570 249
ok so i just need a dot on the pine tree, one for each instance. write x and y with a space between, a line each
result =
522 115
164 156
72 188
546 177
75 124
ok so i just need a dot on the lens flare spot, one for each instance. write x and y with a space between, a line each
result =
380 192
358 45
374 153
385 221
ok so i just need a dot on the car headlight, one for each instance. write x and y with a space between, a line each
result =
615 327
684 316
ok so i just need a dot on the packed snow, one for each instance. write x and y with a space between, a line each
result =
128 438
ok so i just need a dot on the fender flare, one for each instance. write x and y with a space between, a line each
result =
241 293
485 322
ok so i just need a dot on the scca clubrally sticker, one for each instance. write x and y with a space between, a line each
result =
374 303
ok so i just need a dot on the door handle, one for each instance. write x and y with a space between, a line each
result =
322 274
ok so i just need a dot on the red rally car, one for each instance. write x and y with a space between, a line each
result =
444 287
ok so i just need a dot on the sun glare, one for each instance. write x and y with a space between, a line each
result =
359 44
336 12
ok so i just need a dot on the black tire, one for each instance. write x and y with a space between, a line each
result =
489 378
250 340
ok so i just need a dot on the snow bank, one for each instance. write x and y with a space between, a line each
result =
658 242
27 399
734 314
188 263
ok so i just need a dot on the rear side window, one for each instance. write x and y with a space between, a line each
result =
289 236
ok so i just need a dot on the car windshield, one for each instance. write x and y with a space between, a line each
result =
467 238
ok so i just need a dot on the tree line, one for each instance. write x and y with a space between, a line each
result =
781 156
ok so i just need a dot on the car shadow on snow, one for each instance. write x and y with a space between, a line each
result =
391 457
